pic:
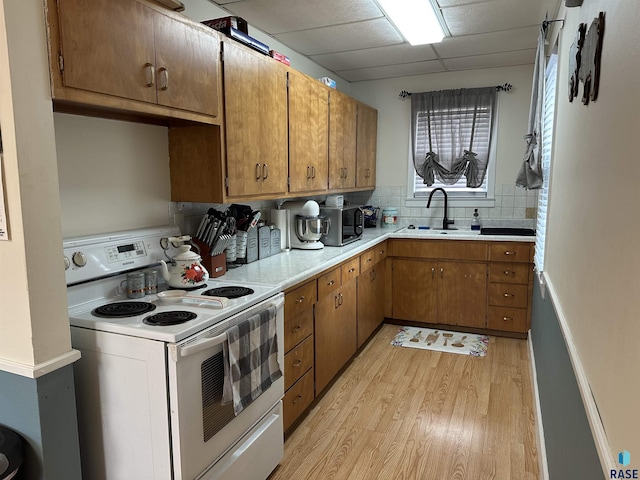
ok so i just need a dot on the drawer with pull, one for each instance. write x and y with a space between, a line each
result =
297 328
328 282
350 270
510 252
509 272
300 299
297 399
507 319
508 295
367 259
381 251
297 362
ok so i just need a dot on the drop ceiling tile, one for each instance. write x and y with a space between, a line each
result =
493 16
339 38
484 43
375 57
279 16
506 59
390 71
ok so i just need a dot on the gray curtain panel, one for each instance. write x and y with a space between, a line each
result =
451 134
530 174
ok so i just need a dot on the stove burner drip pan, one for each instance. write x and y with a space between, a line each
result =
228 292
165 319
123 309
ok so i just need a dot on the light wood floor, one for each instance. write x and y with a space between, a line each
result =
403 413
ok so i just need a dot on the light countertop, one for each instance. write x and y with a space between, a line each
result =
295 266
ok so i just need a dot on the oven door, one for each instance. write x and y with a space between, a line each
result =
203 430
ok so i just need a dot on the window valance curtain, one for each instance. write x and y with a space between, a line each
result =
451 134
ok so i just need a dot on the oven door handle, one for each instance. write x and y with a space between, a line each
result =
201 345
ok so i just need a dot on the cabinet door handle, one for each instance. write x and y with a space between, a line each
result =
345 172
509 295
332 282
308 172
258 171
509 253
433 272
297 399
265 171
163 74
336 301
341 298
313 172
150 71
507 272
300 300
372 275
296 329
506 319
297 364
351 270
441 272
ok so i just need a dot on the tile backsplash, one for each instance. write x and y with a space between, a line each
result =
515 207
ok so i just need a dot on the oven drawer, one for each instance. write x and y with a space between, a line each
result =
298 398
297 328
297 362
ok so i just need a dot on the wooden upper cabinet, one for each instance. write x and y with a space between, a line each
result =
255 95
186 63
127 58
366 145
108 47
342 141
308 134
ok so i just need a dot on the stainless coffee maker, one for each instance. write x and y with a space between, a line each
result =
305 225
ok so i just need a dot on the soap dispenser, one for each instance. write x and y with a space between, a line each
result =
475 221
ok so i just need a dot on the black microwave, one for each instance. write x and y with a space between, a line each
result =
346 224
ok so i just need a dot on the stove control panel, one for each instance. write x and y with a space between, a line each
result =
121 253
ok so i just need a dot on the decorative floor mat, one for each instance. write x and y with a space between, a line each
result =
442 341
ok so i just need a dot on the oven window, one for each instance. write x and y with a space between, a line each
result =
214 415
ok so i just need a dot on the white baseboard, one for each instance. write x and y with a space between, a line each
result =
607 460
543 465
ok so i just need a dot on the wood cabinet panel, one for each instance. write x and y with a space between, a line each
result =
308 134
510 252
438 249
297 399
366 146
335 333
186 66
350 269
370 301
509 272
415 290
297 362
300 299
462 294
297 328
508 295
255 94
342 141
507 319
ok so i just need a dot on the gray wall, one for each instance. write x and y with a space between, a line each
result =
571 453
43 412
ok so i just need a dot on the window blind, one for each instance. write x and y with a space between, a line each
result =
547 142
463 121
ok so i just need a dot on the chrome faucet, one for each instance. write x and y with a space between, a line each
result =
445 221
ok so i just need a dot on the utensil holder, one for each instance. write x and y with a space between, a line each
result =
216 265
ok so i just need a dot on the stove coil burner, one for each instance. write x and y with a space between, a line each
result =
123 309
228 292
165 319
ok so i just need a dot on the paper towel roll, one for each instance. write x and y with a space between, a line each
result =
280 219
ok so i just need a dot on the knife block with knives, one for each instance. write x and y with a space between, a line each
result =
216 265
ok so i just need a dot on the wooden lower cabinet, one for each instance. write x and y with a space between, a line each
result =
299 354
462 293
370 301
335 332
415 290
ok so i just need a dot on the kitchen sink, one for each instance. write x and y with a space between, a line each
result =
436 232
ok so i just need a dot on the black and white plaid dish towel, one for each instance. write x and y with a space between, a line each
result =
251 359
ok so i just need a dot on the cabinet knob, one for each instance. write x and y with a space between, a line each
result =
509 295
509 253
351 270
300 300
297 363
506 319
297 399
507 272
331 282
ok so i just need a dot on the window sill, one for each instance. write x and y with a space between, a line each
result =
453 202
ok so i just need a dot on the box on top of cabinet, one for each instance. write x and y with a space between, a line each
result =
223 24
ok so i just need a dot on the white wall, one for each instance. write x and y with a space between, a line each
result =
113 175
592 257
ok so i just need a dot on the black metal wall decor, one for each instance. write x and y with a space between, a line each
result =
585 57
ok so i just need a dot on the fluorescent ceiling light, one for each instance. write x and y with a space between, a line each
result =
415 19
